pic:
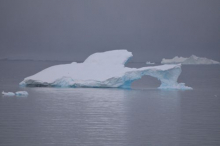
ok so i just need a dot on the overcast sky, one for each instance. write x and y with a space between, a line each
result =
74 29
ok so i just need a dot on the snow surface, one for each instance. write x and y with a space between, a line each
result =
8 93
106 69
148 62
191 60
21 93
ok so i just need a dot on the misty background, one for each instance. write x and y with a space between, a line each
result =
74 29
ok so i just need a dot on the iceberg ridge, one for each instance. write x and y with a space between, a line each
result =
104 70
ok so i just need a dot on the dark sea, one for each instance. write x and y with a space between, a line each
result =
141 116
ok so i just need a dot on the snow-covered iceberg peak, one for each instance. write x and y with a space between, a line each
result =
116 57
103 70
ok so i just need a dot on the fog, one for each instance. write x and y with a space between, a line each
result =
72 30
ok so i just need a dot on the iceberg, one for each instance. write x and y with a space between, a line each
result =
21 93
150 63
175 60
8 93
104 70
199 60
191 60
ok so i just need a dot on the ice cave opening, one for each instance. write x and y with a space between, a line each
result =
146 82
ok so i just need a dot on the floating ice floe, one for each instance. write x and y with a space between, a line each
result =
21 93
191 60
150 63
103 70
8 93
18 93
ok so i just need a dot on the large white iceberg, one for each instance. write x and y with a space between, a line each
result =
191 60
106 69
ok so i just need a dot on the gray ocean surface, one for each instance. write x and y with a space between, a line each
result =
141 116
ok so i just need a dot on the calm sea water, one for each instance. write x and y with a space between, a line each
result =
141 116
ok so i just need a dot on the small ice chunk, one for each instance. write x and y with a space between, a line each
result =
8 93
21 93
148 62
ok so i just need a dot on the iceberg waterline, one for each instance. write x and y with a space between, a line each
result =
105 69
